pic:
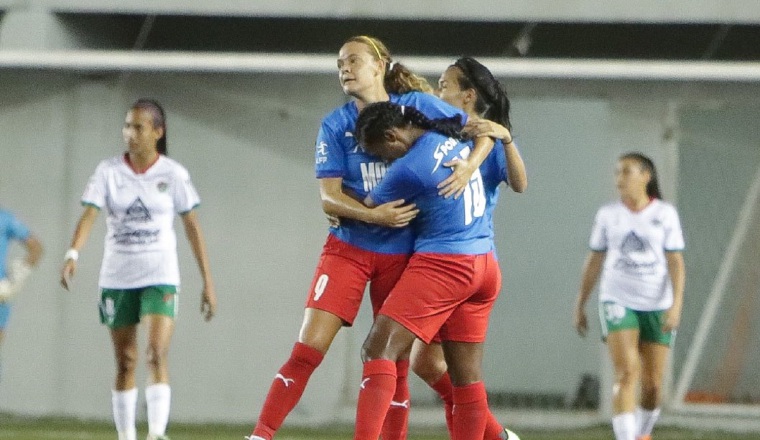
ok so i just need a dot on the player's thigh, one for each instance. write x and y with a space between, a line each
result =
654 361
387 270
319 328
162 300
339 280
464 360
469 320
119 307
430 289
650 323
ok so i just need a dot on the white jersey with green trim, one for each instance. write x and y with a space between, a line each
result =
635 273
141 246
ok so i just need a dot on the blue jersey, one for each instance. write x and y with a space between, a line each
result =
339 155
445 226
10 229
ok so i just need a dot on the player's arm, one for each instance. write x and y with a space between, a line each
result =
677 272
21 268
194 235
461 169
336 203
33 251
81 235
517 176
592 267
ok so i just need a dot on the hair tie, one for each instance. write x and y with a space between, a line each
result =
402 110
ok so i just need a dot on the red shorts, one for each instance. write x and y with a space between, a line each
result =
450 294
343 273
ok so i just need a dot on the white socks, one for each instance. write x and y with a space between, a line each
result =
124 408
624 426
158 397
645 420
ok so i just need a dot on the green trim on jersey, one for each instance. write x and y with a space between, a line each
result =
191 209
91 204
125 307
615 317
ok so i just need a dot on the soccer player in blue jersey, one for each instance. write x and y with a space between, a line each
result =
13 275
450 283
371 245
469 85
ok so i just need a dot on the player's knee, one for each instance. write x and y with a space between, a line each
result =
126 362
627 376
156 356
429 370
651 387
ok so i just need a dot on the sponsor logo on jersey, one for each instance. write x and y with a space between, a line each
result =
162 186
321 152
372 174
637 256
442 150
137 212
128 236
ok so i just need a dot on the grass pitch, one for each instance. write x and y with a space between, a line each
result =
66 429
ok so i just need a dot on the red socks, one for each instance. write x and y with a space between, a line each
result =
470 411
397 419
375 394
287 388
444 388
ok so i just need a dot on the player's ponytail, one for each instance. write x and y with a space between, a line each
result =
646 164
492 102
159 120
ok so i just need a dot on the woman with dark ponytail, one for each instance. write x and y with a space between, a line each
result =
469 85
637 249
141 190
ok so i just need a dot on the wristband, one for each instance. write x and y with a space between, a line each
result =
71 254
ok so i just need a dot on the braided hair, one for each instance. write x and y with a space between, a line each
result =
379 117
158 117
646 164
492 103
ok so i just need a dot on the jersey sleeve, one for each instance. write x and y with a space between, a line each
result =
399 182
674 241
186 198
329 157
16 229
96 191
598 240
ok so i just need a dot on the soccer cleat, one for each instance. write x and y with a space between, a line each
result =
509 435
157 437
253 437
644 437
